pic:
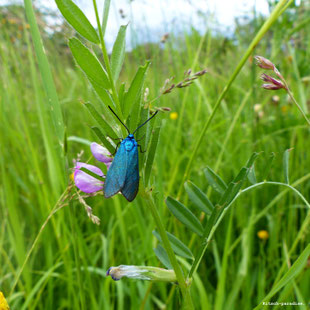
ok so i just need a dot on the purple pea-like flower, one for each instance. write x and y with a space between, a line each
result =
85 182
101 154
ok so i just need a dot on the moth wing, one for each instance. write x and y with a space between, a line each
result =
131 185
116 175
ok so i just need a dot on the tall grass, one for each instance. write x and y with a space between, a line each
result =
67 265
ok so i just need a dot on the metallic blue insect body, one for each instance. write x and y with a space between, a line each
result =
123 174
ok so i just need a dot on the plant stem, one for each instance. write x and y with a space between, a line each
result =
179 274
295 102
272 18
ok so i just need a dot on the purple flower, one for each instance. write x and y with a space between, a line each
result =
101 154
85 182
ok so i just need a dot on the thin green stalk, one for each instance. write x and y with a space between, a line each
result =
217 216
298 106
53 211
295 102
266 209
72 218
180 277
272 18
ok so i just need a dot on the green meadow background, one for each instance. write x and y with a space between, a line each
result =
67 265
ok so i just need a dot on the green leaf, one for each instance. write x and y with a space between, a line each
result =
118 52
286 157
94 175
104 140
252 175
252 159
132 96
177 245
105 127
76 18
121 94
184 215
198 198
215 181
151 155
92 68
291 274
106 9
162 255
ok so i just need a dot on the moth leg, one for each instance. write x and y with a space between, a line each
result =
115 138
139 145
116 148
140 138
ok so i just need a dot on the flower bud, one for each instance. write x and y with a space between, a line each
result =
264 63
263 234
200 73
142 273
272 83
166 109
101 153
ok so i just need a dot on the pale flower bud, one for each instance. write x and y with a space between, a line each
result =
142 273
264 63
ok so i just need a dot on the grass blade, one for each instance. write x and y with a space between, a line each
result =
291 274
46 73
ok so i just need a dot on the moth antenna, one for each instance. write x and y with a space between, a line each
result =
145 122
120 119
